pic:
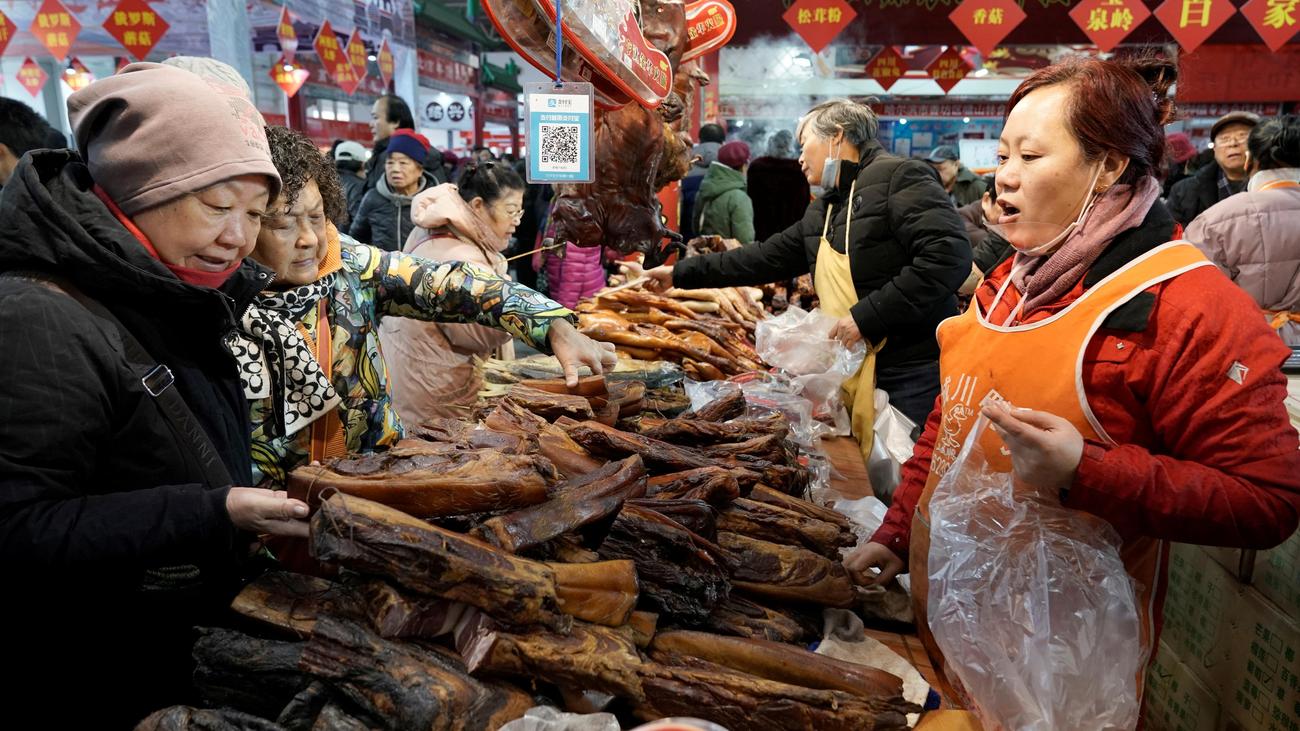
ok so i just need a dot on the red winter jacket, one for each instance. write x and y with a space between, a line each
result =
1199 458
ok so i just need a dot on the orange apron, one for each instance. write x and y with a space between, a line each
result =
1037 366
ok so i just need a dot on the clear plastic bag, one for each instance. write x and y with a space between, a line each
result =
891 447
799 344
549 718
1030 604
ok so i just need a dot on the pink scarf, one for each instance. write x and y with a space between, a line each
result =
1045 279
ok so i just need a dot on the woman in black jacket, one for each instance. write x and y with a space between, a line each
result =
907 251
125 514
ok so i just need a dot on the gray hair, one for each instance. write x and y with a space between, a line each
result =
856 120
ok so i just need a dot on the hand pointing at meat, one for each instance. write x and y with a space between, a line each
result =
659 278
574 350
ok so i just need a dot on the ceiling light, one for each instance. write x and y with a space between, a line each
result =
966 120
902 120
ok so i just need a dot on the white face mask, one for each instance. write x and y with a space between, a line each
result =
1023 235
831 169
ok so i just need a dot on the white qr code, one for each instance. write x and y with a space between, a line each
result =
559 148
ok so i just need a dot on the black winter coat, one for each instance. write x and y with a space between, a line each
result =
909 254
1191 196
99 497
384 218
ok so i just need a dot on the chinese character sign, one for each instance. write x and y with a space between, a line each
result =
1191 22
386 63
710 24
887 67
77 76
291 80
7 29
1276 21
32 76
287 36
1108 22
986 22
358 57
327 47
136 26
949 68
56 28
818 22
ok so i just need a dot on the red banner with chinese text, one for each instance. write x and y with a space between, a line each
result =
949 68
32 76
357 56
290 80
1191 22
1276 21
887 67
7 30
1108 22
287 36
136 25
986 22
77 76
818 22
386 63
710 24
56 28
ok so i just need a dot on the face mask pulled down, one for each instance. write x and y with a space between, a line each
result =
831 168
1039 238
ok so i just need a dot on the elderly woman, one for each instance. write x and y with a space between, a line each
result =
315 333
1254 237
1145 386
884 244
124 450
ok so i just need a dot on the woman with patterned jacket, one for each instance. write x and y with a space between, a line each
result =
310 356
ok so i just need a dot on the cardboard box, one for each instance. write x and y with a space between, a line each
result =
1277 576
1175 699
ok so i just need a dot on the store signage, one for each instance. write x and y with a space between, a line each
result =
77 76
559 132
386 64
447 71
136 25
949 68
615 47
1214 111
1108 22
358 57
440 110
56 28
32 76
887 67
334 58
287 36
945 110
986 22
818 22
1276 21
289 78
507 114
7 30
710 24
1191 22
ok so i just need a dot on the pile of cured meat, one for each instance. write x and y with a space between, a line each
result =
710 332
543 556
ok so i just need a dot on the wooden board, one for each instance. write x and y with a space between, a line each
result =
845 455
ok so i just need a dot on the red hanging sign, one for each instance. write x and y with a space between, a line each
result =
949 68
287 36
32 76
986 22
334 58
1191 22
710 24
56 28
136 26
77 76
887 67
288 78
818 22
7 30
1108 22
357 55
385 62
1276 21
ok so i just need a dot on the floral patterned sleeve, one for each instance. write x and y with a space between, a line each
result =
408 286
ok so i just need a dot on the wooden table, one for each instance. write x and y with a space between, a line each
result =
845 456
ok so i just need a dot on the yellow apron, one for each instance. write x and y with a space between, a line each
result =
833 280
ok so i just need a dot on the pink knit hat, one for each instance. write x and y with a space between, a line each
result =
1181 148
154 133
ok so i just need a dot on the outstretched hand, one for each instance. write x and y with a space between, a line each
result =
574 350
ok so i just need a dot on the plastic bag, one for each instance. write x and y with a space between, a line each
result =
799 344
1030 604
549 718
891 447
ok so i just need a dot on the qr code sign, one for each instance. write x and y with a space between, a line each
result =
559 147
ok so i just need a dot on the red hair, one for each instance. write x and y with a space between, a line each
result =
1120 106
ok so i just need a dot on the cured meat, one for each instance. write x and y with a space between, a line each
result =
782 663
550 406
714 485
781 525
291 602
185 718
431 484
247 673
642 300
603 592
467 434
334 718
569 458
371 538
726 408
588 386
553 443
678 685
696 516
787 573
770 447
587 657
302 712
580 502
405 686
743 618
395 615
603 440
681 574
764 494
700 432
643 625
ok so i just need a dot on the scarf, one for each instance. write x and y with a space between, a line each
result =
196 277
1045 279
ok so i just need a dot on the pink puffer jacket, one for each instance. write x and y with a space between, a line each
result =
581 273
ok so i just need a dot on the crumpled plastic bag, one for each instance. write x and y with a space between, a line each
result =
1030 603
549 718
799 344
892 447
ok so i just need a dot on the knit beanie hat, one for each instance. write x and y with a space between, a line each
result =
409 143
734 154
154 133
1181 148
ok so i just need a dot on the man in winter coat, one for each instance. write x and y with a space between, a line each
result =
384 218
963 186
387 115
711 138
724 207
1227 176
349 159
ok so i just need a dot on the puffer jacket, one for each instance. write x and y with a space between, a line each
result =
909 253
707 152
723 207
1194 195
372 288
101 501
384 218
1254 238
580 273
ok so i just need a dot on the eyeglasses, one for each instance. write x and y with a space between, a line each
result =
1233 141
515 214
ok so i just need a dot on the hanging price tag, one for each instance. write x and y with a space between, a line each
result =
560 132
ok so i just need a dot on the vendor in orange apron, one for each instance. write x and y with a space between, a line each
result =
981 361
833 280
